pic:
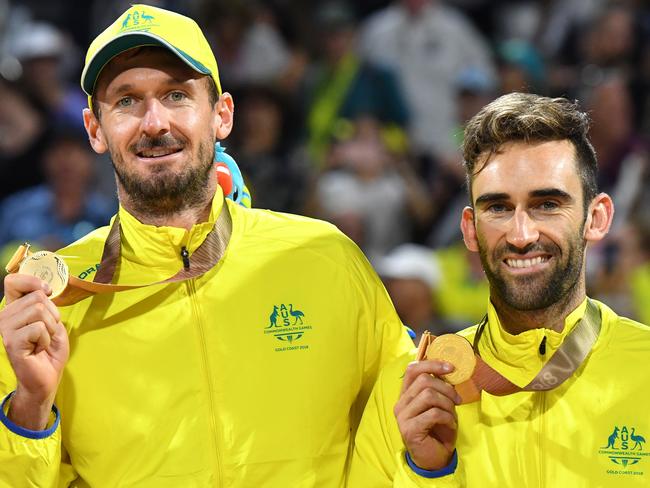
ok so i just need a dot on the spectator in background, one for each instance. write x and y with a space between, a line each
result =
605 44
427 43
621 150
441 291
40 48
549 30
609 41
341 87
369 193
23 132
521 67
275 177
63 209
246 42
411 275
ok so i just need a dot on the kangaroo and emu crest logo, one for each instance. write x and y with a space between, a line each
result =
625 447
138 20
287 324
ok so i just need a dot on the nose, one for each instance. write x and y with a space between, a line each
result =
523 230
156 119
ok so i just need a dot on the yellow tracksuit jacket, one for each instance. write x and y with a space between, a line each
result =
254 374
590 432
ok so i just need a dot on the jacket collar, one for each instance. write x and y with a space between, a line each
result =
517 357
158 248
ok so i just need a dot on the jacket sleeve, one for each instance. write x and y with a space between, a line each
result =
29 458
379 457
382 336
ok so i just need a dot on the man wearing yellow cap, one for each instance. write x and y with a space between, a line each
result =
245 345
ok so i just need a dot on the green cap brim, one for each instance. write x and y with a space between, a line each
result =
123 43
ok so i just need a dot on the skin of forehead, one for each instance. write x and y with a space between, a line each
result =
529 163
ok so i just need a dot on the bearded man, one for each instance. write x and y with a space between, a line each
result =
559 391
244 347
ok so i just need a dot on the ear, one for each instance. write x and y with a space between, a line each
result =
599 218
468 228
95 133
223 117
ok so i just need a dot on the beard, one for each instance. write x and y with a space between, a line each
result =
163 192
542 289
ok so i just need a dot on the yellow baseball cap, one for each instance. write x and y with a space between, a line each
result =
144 25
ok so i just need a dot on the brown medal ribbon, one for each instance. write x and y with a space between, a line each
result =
68 290
473 375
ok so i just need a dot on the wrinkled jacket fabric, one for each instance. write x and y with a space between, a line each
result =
589 432
193 384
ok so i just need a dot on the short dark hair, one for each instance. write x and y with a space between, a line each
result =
213 93
525 117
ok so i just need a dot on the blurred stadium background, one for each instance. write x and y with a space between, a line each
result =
351 112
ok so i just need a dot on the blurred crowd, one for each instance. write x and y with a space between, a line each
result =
351 112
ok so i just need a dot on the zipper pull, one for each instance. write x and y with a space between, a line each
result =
542 346
185 255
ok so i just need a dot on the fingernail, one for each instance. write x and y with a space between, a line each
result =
459 400
447 368
46 288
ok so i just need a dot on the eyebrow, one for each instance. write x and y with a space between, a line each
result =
491 197
551 192
541 193
123 88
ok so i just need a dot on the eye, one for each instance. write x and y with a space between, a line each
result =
177 96
549 205
497 208
125 102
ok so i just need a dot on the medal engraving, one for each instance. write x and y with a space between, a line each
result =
48 267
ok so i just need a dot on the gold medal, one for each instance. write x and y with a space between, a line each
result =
456 350
49 267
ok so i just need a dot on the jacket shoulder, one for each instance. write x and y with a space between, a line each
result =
623 334
291 231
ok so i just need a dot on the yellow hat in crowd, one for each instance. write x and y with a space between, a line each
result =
144 25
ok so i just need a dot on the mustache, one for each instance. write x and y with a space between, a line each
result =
164 141
532 247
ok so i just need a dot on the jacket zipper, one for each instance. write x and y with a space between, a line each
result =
216 438
540 442
185 256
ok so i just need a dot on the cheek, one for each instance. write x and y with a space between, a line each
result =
196 120
488 236
562 234
120 133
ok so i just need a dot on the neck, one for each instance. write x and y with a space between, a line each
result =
552 317
183 218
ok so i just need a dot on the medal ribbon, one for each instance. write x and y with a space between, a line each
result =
206 256
566 360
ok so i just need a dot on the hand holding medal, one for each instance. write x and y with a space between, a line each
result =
45 265
455 350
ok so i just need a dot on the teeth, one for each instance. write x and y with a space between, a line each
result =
154 153
525 263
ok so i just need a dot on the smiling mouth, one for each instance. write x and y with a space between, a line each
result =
526 263
158 152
